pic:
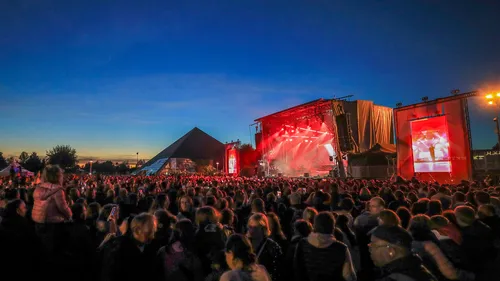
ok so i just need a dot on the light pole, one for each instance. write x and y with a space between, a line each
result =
494 100
90 167
137 161
217 166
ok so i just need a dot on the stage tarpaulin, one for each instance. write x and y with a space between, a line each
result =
438 146
365 131
382 124
371 123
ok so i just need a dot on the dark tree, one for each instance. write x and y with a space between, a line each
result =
64 156
249 158
123 168
3 162
33 163
23 157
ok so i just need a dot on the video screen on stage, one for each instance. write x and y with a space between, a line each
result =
431 145
232 161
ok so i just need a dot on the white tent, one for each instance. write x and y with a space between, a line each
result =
6 172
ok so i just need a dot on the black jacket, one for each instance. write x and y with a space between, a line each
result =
494 223
288 270
270 255
121 259
409 268
478 246
209 240
21 250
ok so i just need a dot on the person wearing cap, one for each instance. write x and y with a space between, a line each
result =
390 250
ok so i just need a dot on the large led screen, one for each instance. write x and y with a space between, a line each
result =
430 145
232 161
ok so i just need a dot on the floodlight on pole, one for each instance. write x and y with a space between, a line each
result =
494 100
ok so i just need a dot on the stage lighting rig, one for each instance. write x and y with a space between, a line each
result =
426 98
399 104
455 92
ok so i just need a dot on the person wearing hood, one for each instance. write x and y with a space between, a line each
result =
209 237
390 250
320 256
268 251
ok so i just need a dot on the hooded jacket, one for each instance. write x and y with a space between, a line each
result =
56 210
409 268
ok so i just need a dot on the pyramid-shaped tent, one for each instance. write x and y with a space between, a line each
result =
195 145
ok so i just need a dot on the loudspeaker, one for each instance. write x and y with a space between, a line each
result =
306 175
258 141
343 132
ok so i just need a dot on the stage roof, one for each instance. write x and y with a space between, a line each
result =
296 108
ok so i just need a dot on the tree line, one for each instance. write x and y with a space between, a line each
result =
66 157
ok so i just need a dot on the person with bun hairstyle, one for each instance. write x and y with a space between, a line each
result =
241 259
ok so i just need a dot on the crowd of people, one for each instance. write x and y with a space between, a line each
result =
195 227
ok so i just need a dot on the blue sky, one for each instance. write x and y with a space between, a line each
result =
111 78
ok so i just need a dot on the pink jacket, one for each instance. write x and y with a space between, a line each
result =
57 209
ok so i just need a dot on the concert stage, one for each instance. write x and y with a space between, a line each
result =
314 138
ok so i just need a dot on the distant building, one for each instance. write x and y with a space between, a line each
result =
182 155
486 161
